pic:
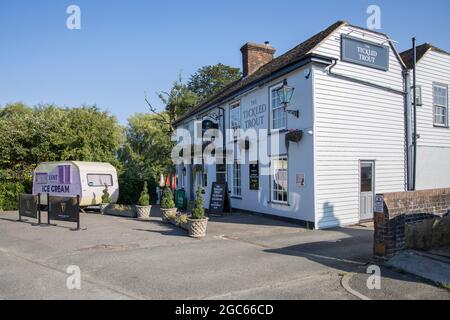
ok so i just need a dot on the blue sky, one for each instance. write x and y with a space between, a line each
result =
126 48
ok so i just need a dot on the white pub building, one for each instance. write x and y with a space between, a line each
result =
314 133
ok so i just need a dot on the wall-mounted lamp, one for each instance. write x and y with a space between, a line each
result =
285 95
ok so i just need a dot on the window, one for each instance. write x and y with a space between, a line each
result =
41 178
99 180
205 179
235 118
280 180
236 190
278 113
440 103
64 174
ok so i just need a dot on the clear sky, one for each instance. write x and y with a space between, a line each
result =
127 48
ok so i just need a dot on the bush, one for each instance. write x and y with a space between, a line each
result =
105 196
167 199
198 212
144 199
9 195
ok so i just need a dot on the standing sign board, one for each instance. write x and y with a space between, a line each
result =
220 201
29 206
254 176
365 53
64 209
180 199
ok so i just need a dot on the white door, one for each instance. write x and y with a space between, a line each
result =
367 188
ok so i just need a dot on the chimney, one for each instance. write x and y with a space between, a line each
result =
254 56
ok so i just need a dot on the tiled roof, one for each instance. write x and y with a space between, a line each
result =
408 55
288 58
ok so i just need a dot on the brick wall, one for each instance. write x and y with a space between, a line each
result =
401 208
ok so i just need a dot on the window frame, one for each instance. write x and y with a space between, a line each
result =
272 118
273 199
435 105
236 176
99 174
235 105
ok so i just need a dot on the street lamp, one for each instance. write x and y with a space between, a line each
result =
285 95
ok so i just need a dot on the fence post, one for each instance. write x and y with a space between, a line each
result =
20 218
48 209
78 212
39 208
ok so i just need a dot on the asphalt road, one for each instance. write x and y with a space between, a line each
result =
243 257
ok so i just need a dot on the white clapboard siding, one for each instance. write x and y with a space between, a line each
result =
355 122
433 146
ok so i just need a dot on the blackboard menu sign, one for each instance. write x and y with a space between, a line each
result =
219 202
254 176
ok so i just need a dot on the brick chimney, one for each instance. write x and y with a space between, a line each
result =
254 56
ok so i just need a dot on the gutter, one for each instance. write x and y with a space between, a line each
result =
363 82
311 58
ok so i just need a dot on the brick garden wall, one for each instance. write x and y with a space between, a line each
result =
402 209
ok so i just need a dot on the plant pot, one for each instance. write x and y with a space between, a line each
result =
103 207
143 212
197 227
167 213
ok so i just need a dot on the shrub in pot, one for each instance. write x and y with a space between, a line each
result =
106 199
168 209
143 207
198 222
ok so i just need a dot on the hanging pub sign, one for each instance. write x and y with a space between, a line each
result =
254 176
220 201
207 125
364 53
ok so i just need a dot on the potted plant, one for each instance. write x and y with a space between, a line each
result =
198 222
143 207
168 209
106 199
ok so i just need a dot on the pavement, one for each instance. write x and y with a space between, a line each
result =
242 257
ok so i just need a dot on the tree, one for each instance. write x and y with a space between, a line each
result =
177 101
209 80
145 154
50 133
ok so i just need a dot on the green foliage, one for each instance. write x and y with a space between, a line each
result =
198 212
48 133
211 79
181 219
167 199
105 196
9 195
144 199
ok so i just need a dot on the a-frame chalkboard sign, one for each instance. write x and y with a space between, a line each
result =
219 203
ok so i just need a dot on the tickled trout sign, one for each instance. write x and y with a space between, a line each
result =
365 53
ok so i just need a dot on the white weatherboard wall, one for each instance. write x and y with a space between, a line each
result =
355 122
433 146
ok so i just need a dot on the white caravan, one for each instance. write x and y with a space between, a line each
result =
72 178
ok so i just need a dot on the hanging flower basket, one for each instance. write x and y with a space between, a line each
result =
293 135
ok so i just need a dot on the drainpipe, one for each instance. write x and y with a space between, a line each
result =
408 128
414 139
